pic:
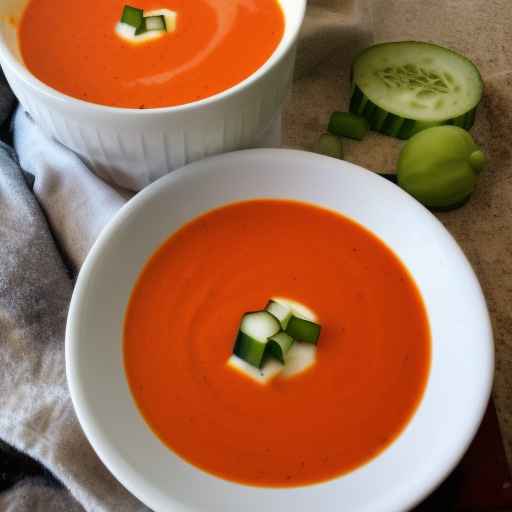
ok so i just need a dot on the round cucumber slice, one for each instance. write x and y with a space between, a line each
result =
404 87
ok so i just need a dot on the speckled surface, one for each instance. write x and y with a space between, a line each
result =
338 29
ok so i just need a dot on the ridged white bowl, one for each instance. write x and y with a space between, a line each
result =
132 147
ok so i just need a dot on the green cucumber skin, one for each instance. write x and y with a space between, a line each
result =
132 16
368 110
249 350
355 100
278 347
378 118
141 29
275 350
303 330
392 125
400 127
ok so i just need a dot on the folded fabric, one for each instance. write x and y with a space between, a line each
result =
77 203
37 415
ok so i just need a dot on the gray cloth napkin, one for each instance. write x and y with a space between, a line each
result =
36 414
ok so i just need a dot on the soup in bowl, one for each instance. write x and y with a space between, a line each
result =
137 107
185 289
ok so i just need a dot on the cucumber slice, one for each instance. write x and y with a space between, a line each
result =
303 330
255 330
402 88
279 344
281 311
348 124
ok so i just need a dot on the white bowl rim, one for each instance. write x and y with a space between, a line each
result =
34 83
406 499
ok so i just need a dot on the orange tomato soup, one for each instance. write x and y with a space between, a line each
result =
72 46
373 355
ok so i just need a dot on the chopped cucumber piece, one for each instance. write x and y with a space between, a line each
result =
255 330
348 124
155 23
303 330
279 344
170 17
141 29
329 145
281 311
132 16
404 87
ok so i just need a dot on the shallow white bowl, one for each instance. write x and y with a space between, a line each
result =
132 147
462 348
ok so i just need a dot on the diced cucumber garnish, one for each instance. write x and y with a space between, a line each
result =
141 29
132 16
348 124
404 87
279 344
255 330
303 330
282 312
155 23
269 335
297 319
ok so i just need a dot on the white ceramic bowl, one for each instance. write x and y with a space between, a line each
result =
462 349
132 147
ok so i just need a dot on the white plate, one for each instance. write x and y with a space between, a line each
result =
462 352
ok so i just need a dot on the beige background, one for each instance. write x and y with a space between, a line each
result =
334 32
